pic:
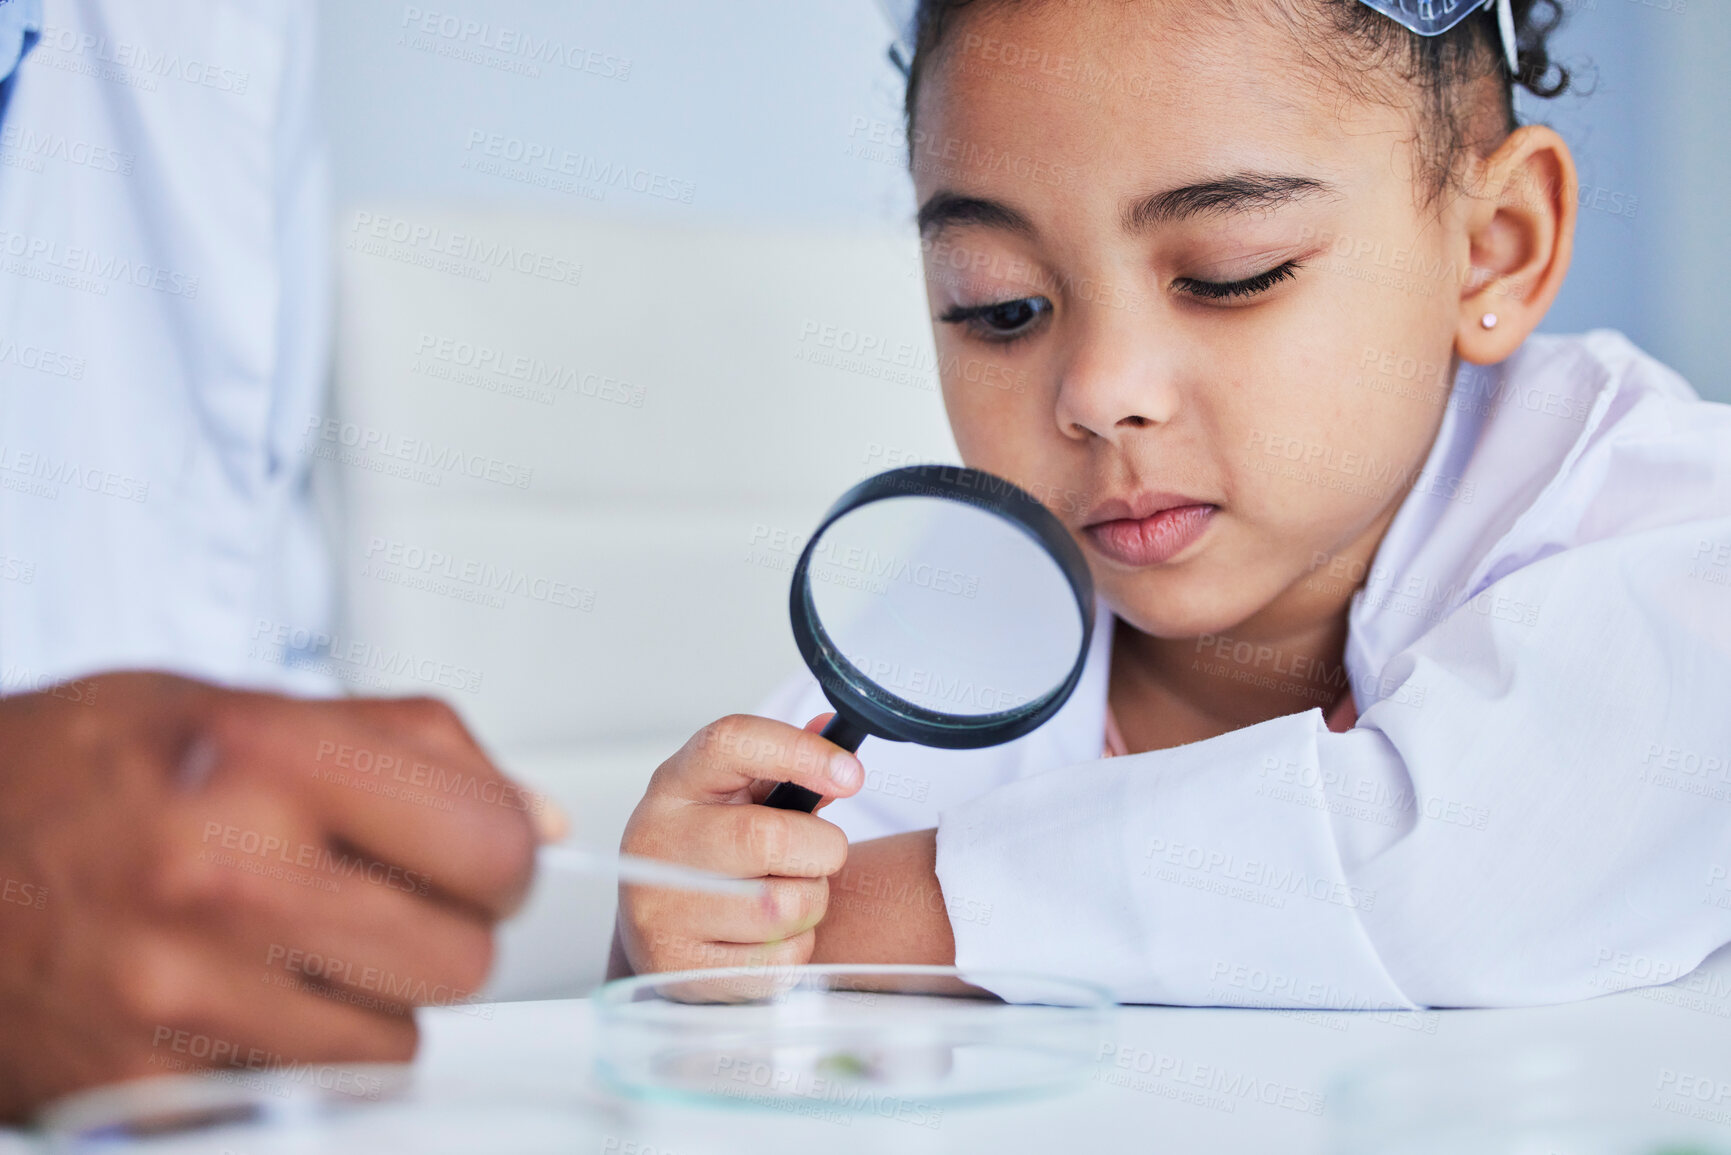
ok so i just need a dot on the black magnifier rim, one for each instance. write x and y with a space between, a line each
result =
887 715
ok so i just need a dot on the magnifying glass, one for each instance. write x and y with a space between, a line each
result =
939 605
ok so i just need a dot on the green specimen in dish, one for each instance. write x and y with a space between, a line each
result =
852 1065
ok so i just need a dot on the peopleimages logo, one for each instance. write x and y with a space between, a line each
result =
582 168
533 372
416 242
353 659
55 146
362 442
54 364
406 561
519 43
148 63
42 475
104 268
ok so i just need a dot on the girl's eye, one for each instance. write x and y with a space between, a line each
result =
1001 320
1249 287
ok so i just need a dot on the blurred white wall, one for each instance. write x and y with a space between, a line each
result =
756 104
764 112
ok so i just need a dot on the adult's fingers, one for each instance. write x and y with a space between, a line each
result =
431 721
196 1002
332 916
436 812
723 760
385 948
435 724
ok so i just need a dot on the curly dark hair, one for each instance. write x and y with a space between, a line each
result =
1365 48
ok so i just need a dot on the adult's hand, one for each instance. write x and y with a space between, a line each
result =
195 877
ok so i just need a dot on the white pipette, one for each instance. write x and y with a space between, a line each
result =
643 871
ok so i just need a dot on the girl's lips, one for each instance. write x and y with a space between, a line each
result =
1141 541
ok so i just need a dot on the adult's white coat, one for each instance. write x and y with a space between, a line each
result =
163 340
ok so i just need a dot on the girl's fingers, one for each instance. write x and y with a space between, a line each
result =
746 841
761 790
700 811
725 758
673 954
658 924
787 909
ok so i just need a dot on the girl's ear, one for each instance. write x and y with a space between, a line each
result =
1520 233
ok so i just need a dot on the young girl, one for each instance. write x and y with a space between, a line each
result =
1413 685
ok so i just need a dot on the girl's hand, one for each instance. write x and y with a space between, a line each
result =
702 810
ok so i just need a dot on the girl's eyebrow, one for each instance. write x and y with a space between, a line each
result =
1237 193
945 209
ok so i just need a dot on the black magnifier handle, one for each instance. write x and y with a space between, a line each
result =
841 730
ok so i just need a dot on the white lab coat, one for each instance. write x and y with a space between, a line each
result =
1534 805
163 340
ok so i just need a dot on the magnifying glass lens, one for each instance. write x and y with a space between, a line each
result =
939 605
945 606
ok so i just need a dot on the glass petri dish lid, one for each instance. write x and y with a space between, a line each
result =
879 1039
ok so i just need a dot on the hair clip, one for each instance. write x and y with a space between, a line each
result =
903 64
901 15
1424 17
1434 17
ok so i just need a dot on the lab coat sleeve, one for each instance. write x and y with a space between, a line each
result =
1536 809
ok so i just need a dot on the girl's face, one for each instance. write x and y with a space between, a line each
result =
1173 267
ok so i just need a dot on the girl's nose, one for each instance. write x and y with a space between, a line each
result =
1115 381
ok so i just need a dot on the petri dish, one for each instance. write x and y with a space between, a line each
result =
856 1038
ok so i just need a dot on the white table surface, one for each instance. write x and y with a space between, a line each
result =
516 1077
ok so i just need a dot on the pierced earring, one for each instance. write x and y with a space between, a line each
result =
1489 320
